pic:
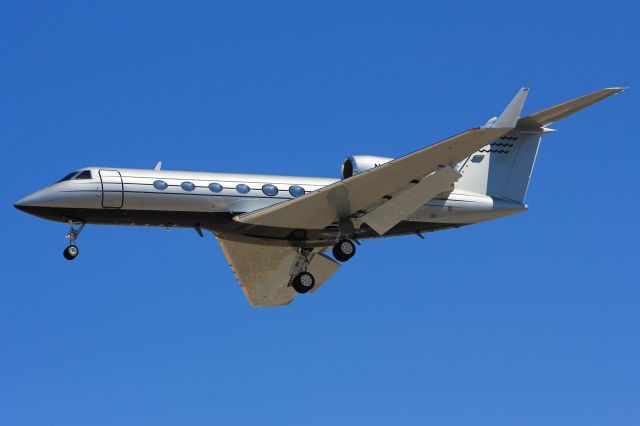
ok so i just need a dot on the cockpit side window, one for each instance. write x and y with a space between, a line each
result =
67 177
85 174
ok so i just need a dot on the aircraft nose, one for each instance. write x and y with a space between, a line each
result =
31 200
22 203
18 205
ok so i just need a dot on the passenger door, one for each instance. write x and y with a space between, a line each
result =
112 189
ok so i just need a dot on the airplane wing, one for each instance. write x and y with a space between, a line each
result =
358 194
557 112
263 271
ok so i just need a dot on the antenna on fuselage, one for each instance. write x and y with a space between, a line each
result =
158 166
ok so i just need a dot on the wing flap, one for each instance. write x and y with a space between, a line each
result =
404 204
322 267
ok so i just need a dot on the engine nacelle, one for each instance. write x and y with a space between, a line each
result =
357 164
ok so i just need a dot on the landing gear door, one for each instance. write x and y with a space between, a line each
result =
112 189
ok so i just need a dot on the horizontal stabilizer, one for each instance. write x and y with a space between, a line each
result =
552 114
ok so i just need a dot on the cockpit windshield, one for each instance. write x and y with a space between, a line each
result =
83 174
67 177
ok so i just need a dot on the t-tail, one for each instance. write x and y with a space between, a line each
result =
503 168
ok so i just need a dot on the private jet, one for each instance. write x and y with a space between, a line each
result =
275 231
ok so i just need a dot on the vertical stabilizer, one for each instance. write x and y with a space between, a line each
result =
503 168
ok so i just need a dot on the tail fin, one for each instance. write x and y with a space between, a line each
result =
503 168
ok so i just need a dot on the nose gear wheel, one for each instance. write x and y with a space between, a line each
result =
72 251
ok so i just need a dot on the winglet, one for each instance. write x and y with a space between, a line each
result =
511 114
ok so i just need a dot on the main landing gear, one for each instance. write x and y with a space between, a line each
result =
71 252
344 250
301 280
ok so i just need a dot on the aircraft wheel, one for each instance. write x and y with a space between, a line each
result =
344 250
303 282
71 252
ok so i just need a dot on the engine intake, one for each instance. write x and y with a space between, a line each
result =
357 164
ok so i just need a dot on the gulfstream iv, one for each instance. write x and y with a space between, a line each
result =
276 230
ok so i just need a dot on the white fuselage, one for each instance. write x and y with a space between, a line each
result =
174 198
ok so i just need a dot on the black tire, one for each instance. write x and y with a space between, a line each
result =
71 252
303 282
344 250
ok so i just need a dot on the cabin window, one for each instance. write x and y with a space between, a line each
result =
67 177
296 191
187 186
85 174
215 187
242 188
270 190
160 185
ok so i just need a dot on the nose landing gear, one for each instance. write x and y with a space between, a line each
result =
71 252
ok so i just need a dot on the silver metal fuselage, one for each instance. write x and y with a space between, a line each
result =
128 197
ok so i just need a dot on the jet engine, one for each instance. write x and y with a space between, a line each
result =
357 164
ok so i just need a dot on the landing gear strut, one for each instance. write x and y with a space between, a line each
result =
71 252
301 280
344 250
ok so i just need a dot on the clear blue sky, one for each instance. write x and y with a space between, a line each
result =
528 320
